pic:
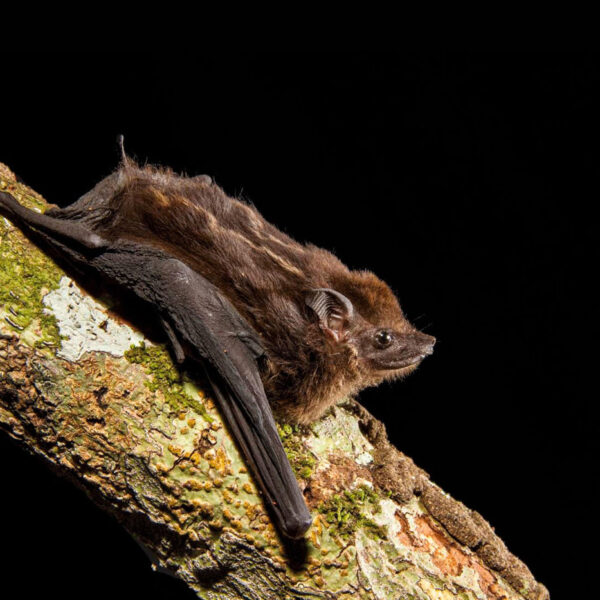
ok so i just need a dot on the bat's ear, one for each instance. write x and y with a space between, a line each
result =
334 310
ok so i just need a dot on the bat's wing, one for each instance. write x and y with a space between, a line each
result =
209 327
201 322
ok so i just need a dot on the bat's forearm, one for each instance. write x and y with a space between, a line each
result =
65 230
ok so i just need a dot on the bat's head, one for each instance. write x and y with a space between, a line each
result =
365 315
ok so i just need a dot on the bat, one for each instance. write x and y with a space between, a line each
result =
279 327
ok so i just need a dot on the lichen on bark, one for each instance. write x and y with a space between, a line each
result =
110 411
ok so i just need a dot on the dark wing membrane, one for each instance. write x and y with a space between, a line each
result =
205 321
197 316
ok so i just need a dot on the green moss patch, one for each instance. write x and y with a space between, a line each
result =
165 377
300 457
26 275
346 513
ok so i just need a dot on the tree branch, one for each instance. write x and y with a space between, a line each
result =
104 405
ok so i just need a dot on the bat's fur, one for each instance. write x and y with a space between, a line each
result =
263 272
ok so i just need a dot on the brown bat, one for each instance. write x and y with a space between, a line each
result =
266 317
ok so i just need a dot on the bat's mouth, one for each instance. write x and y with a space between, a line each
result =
409 354
395 370
406 363
400 365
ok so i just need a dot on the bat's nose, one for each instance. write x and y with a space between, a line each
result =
426 343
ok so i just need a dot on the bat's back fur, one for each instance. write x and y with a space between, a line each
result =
262 271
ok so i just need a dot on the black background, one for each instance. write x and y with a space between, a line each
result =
465 181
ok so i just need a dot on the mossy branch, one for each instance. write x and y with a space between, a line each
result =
83 389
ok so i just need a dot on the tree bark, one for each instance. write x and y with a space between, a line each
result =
104 405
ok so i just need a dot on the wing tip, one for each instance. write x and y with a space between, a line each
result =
296 526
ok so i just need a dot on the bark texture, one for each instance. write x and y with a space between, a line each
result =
105 406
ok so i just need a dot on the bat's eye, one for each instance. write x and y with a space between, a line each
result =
383 338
